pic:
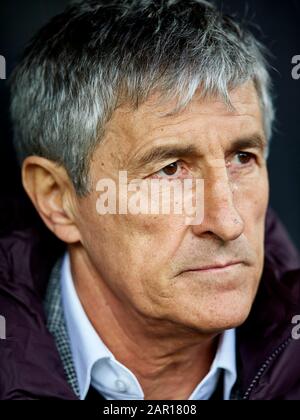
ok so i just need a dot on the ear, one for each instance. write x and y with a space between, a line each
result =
52 193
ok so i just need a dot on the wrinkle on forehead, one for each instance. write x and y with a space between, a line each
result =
244 99
131 130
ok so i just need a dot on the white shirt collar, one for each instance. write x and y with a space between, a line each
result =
95 364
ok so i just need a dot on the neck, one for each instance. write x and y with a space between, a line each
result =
168 359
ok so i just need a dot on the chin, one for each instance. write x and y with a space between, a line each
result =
218 314
227 320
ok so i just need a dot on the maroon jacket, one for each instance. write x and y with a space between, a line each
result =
30 367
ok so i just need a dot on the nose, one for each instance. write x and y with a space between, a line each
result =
220 217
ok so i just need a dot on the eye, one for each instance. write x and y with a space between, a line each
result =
169 170
242 159
173 170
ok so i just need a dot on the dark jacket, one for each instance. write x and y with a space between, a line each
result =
30 366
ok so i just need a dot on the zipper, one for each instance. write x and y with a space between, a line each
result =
264 367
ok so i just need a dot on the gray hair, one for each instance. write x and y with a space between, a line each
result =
81 66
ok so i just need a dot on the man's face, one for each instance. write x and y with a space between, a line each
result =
154 264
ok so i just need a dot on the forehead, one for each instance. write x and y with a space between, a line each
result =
131 130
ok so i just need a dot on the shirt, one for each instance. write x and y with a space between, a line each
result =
96 365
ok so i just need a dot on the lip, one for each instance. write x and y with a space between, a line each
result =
213 267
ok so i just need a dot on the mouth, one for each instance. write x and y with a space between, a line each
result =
214 268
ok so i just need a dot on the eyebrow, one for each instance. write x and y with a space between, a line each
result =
255 141
165 152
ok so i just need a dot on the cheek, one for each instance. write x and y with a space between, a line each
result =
132 254
139 243
251 201
152 240
251 195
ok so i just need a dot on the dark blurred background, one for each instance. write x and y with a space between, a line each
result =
275 23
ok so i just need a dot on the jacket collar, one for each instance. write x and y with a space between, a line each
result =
269 326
